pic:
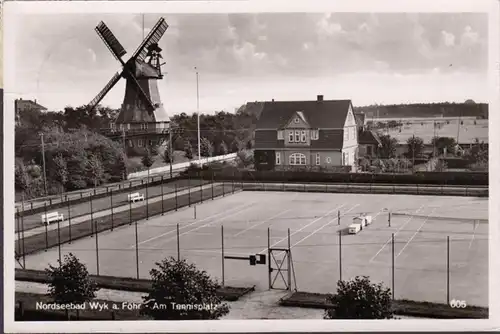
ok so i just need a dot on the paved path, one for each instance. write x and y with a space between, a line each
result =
105 212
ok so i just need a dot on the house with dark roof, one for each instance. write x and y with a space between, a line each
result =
21 106
368 140
306 133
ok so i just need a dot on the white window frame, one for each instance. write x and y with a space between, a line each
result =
297 136
328 160
346 134
140 142
291 136
318 159
297 159
278 158
303 136
280 135
314 134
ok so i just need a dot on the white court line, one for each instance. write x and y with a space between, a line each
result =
399 229
474 233
322 227
303 227
416 232
263 222
237 209
205 225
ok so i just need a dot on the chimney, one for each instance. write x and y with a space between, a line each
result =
272 100
320 97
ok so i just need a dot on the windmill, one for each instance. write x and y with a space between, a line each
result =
142 115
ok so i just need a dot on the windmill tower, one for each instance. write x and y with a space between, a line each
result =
142 122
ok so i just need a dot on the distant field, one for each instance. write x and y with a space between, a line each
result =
467 132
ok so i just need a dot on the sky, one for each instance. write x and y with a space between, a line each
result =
384 58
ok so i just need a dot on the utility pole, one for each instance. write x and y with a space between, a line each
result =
44 168
198 114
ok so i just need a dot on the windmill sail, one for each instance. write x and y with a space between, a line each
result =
104 91
153 37
110 40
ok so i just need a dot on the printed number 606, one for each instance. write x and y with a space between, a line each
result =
458 303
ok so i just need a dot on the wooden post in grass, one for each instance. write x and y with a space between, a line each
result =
111 199
96 247
223 191
194 211
201 187
130 212
162 205
212 185
46 228
136 250
340 255
338 217
448 270
389 219
178 244
69 221
189 192
392 266
222 251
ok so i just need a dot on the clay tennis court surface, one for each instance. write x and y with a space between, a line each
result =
421 226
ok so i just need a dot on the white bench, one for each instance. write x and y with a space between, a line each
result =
135 197
354 228
52 217
359 220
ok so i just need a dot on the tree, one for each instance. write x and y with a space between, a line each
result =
388 148
188 150
70 282
249 145
440 166
147 159
21 178
223 150
360 299
60 173
95 168
415 147
444 143
235 146
206 147
177 282
167 155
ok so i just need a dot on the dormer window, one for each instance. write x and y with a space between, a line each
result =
280 135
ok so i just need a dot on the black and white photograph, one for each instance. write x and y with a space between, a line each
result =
201 164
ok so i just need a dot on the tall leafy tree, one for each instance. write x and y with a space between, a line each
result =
206 147
388 149
415 146
188 150
60 173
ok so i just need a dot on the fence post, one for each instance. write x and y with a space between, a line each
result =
112 217
448 270
162 204
46 228
178 244
59 238
340 255
232 182
147 197
393 294
289 269
212 185
22 235
269 256
91 216
389 219
222 251
129 212
97 247
69 221
338 217
223 190
189 192
137 249
201 187
18 220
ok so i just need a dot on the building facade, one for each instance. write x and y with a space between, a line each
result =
307 133
21 106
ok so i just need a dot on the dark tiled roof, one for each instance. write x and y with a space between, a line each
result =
319 114
28 104
368 138
267 139
332 139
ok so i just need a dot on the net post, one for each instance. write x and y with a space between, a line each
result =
136 250
338 217
176 199
112 216
178 244
96 248
46 228
91 216
340 255
389 218
162 204
69 221
269 255
289 260
448 270
393 283
222 251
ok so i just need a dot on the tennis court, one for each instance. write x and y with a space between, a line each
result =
421 227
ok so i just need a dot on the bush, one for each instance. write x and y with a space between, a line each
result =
177 283
360 299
